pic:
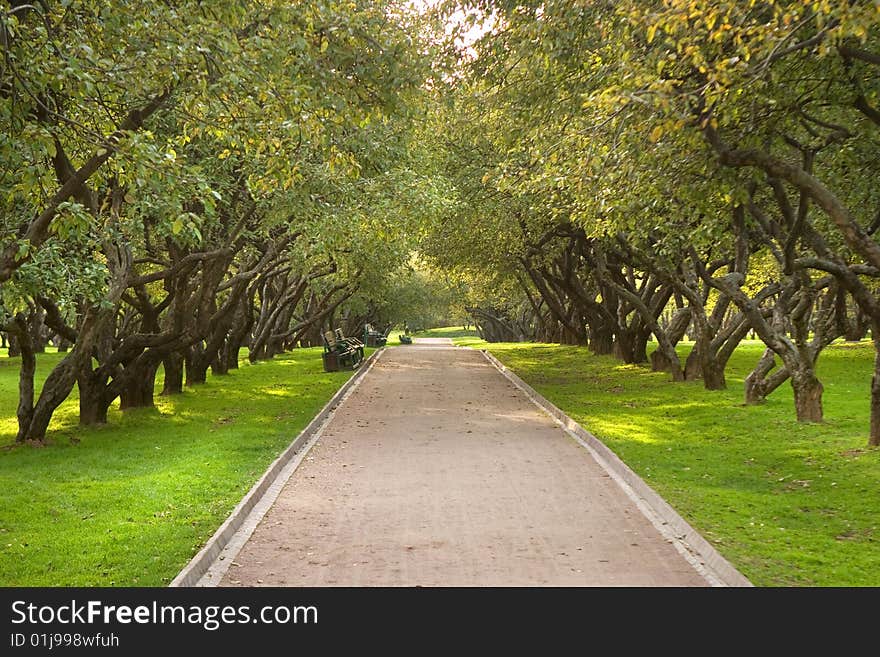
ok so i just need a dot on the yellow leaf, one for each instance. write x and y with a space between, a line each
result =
652 30
656 134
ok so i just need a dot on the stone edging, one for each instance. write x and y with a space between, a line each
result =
696 549
271 481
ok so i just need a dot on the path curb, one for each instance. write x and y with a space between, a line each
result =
708 561
199 564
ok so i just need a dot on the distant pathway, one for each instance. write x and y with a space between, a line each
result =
437 471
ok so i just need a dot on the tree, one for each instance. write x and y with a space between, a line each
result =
684 141
228 159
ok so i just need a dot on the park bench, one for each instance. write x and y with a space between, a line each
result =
353 342
341 352
374 338
404 339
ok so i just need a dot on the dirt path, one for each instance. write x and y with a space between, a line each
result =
437 471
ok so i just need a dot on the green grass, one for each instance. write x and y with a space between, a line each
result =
788 504
128 504
393 338
456 332
131 502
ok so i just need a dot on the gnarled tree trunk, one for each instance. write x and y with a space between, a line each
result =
94 402
807 395
173 379
25 411
138 390
196 365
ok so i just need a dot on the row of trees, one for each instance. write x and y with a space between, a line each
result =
635 170
181 179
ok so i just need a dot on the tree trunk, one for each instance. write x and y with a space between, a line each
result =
855 331
712 370
659 361
857 327
64 375
713 376
138 393
196 374
173 365
693 369
230 354
273 348
569 337
755 383
93 402
760 383
703 361
258 353
807 395
37 331
874 438
196 366
664 358
602 341
623 346
678 325
55 390
640 346
92 411
27 369
14 346
220 365
631 346
242 322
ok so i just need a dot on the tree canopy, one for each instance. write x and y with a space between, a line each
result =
660 169
181 180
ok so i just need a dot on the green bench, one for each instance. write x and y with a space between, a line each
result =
374 338
341 352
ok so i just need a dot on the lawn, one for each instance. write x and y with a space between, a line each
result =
456 332
131 502
788 504
128 504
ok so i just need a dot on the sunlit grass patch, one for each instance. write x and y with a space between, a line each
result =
446 332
